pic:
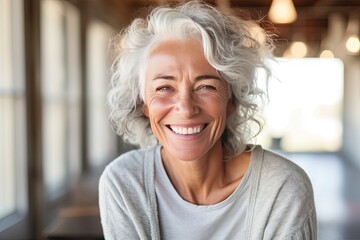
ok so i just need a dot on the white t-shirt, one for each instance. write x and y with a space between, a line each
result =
180 219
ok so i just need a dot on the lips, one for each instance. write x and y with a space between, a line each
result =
186 130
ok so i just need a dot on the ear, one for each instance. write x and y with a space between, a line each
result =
145 110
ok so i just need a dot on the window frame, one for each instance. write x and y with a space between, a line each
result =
18 95
67 99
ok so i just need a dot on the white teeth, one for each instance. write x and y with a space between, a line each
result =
186 131
190 131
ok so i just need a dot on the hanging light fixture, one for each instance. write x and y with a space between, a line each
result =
326 54
326 47
353 40
353 44
282 11
298 47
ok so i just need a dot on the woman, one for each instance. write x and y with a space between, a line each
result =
184 89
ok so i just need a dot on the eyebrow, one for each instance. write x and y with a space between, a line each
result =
204 77
198 78
157 77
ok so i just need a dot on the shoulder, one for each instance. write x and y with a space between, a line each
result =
279 170
283 184
126 195
129 167
284 197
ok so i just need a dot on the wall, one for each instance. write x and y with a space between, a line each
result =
351 109
351 147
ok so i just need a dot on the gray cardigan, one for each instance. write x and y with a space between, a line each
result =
281 204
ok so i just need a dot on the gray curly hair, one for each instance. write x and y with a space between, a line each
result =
229 46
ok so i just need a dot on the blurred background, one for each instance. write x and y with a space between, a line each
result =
55 139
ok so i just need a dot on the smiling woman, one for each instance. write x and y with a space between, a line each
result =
186 100
184 88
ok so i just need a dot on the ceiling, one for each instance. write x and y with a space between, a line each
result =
312 21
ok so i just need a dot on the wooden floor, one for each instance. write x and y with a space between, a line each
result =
337 195
78 216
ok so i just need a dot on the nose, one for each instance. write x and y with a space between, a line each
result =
186 105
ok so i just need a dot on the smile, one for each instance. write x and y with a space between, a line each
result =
187 130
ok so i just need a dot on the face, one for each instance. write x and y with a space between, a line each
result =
186 100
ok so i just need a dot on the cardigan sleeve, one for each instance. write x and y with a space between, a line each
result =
115 219
307 231
285 207
125 208
292 215
127 198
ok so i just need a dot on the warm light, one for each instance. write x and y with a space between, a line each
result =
327 54
353 44
282 11
297 50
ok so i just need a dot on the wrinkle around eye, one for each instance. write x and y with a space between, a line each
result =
164 89
206 88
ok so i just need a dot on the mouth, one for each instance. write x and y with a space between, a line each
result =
187 130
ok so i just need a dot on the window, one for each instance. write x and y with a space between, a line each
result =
12 112
102 141
60 86
305 109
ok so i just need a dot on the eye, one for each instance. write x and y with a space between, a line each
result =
163 89
206 88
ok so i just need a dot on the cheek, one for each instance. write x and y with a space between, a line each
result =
216 102
158 106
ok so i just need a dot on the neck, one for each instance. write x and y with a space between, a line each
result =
199 181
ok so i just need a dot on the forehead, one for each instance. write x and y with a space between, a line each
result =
168 44
177 53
